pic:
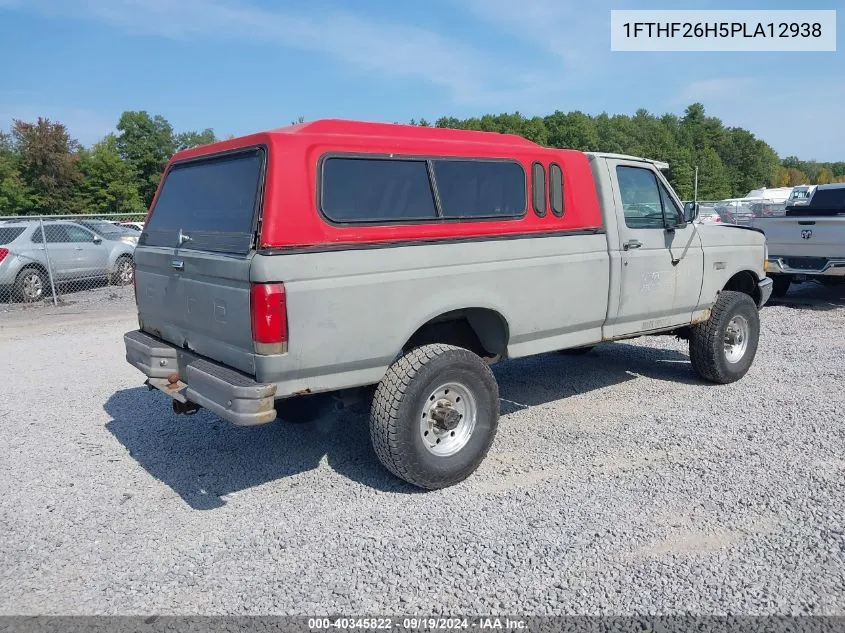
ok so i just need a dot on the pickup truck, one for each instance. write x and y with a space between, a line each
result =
335 258
808 242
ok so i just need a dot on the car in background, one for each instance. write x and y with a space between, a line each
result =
110 231
73 253
708 214
135 226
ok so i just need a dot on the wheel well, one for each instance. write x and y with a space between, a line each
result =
36 266
744 281
480 330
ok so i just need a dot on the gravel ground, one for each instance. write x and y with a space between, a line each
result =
618 483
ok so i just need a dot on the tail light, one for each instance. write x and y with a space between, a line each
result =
3 253
268 307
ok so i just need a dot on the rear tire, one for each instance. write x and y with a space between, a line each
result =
723 347
780 285
435 415
31 285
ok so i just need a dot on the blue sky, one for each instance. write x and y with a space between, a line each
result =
242 66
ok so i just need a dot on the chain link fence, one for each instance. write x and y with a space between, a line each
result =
65 259
62 259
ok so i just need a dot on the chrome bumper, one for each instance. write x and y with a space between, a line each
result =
832 268
765 285
188 378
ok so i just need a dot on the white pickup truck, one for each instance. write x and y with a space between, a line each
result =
341 255
808 243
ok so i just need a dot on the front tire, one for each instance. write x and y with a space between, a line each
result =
723 347
435 415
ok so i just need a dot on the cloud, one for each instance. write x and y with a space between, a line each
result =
395 50
578 38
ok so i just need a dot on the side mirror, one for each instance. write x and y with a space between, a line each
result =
97 239
691 210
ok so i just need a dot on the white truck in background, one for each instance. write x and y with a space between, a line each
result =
808 242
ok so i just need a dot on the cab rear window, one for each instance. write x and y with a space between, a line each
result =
209 204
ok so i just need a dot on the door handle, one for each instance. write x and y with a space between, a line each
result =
631 244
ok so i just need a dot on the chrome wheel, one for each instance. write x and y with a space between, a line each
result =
736 338
448 419
32 286
125 272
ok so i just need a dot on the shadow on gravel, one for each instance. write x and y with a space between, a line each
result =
811 296
203 458
546 378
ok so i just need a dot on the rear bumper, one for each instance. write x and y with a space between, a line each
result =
186 377
831 268
765 285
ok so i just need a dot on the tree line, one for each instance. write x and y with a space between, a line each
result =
44 170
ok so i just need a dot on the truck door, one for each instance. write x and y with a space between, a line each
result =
660 258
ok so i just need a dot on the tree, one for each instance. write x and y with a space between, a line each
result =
146 143
48 164
824 176
750 162
186 140
15 197
796 177
781 177
109 185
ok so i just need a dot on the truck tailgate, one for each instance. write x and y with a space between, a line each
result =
193 258
804 236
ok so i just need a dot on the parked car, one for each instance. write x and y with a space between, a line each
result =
75 254
135 226
110 230
808 243
340 257
708 214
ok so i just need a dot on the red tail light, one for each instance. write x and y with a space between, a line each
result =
268 307
3 253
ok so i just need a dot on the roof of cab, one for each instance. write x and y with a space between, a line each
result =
659 164
393 131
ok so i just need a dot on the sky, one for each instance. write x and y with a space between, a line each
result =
240 66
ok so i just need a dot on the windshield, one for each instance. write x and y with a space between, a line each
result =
104 228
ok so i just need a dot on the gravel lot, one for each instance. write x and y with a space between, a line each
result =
618 483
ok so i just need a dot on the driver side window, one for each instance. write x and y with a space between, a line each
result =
673 212
641 198
77 234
